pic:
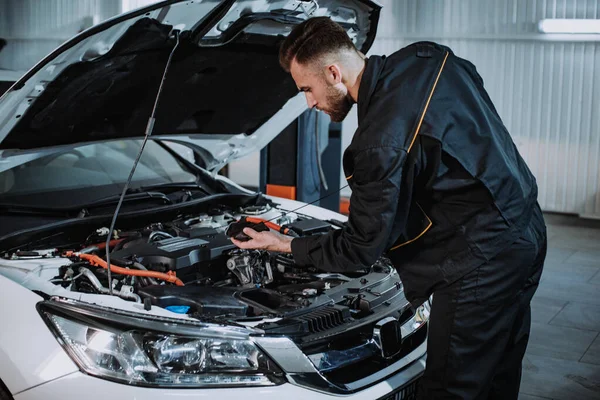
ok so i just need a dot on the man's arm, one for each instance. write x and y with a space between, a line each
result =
377 179
374 207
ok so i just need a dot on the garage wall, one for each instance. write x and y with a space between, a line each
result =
34 28
543 85
128 5
56 18
3 18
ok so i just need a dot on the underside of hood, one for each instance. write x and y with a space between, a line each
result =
218 90
224 81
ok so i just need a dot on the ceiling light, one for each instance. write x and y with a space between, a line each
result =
570 26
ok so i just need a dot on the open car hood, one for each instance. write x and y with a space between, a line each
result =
225 91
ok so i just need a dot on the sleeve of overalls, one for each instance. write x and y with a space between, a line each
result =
376 204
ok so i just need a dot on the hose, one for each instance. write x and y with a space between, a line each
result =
102 246
141 266
158 233
98 262
89 250
98 286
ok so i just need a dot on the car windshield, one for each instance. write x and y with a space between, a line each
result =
94 166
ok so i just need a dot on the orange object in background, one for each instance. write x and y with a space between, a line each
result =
345 205
287 192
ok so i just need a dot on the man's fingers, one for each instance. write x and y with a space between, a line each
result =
252 233
240 244
270 241
248 244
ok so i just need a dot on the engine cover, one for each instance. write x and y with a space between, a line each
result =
177 252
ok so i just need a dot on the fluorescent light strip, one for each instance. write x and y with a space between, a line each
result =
570 26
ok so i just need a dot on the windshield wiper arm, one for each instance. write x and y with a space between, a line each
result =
172 185
130 197
21 209
79 210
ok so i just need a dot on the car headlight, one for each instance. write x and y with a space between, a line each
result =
422 312
147 357
420 318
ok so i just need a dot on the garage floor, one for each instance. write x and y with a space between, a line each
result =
563 356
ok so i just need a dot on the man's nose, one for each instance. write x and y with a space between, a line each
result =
310 100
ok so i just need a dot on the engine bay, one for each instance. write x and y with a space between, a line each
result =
208 266
188 265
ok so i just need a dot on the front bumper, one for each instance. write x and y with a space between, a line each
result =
305 379
80 386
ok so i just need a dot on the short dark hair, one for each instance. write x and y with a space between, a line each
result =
312 39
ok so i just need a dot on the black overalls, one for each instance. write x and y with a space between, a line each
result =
439 187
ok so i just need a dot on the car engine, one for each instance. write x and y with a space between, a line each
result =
189 265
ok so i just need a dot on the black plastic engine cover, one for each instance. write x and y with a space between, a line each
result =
305 227
176 253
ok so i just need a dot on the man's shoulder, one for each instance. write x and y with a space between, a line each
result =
399 95
417 50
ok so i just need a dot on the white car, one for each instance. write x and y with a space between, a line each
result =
183 312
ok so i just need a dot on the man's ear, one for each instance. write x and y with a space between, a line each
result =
333 74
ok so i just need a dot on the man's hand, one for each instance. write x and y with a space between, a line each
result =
270 241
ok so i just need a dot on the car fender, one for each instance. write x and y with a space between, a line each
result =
30 355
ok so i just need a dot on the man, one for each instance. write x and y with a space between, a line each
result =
439 187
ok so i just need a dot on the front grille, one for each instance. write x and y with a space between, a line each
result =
325 318
372 365
407 392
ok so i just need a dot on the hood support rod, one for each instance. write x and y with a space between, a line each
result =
149 129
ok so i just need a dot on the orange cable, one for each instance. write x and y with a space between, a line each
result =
98 262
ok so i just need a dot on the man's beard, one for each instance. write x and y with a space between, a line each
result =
339 104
